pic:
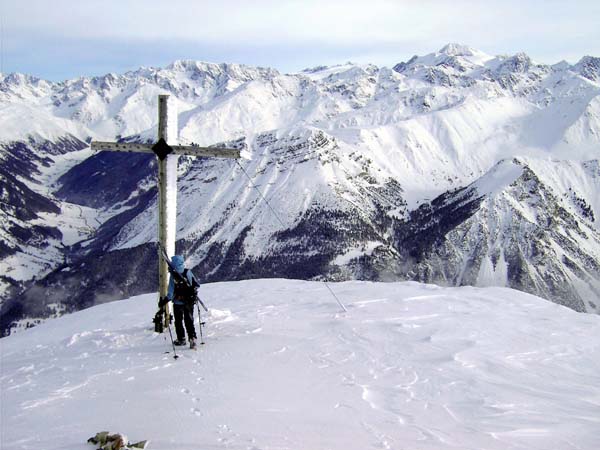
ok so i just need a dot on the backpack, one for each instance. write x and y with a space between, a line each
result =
158 321
183 291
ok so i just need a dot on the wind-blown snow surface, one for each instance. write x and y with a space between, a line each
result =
409 366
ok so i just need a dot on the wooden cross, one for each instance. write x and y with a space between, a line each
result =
167 151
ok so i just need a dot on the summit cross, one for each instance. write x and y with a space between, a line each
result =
167 151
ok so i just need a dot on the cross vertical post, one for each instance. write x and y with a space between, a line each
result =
167 191
167 151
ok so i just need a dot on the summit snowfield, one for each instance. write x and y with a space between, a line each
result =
457 168
408 366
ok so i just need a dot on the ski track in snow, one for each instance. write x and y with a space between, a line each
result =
408 366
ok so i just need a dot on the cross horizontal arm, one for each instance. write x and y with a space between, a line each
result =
191 150
206 151
121 147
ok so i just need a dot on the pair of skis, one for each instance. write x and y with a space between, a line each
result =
179 276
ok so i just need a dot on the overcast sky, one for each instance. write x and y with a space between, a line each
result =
59 39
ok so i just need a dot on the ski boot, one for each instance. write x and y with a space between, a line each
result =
179 342
193 344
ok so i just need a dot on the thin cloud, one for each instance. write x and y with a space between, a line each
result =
259 32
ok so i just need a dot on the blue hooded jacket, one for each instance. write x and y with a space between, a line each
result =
178 262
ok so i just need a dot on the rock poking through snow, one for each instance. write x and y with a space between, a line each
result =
117 441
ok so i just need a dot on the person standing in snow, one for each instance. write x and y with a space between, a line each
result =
183 296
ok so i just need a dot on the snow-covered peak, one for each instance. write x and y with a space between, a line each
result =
19 79
589 67
322 72
518 63
18 86
561 66
461 58
115 105
467 53
454 49
458 65
234 70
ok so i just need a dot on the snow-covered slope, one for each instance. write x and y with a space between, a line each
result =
524 223
346 156
408 366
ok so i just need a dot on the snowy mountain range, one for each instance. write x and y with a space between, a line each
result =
455 168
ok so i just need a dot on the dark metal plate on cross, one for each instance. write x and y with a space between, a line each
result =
162 149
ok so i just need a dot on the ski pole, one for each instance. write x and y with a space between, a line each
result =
202 304
200 323
172 343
